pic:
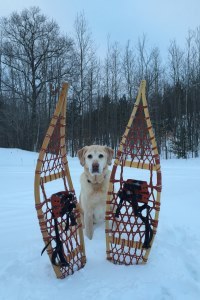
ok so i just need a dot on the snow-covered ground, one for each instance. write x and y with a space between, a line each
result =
173 268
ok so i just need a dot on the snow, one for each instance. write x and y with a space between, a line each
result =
173 268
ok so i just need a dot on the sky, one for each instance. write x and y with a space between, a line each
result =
161 21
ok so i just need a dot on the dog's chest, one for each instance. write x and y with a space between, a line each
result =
98 196
98 204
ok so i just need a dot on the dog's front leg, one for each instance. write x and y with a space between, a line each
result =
81 212
88 220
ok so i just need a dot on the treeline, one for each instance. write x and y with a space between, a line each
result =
35 58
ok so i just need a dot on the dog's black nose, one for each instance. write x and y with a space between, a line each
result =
95 168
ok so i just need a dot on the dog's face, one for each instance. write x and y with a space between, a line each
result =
95 158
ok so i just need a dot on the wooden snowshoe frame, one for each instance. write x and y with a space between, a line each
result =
52 165
138 150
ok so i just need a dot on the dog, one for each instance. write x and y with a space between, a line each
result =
94 184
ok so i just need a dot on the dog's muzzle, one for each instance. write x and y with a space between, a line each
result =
95 168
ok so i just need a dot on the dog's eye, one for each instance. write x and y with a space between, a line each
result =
90 156
100 155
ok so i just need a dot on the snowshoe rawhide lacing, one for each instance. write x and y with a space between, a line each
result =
135 192
62 204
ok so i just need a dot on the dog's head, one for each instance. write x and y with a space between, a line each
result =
95 158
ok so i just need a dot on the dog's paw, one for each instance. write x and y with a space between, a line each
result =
88 226
89 235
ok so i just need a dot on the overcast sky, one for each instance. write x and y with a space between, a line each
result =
160 20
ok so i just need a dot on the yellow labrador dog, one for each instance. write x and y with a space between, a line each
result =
94 184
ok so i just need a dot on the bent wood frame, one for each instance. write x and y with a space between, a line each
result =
141 99
60 111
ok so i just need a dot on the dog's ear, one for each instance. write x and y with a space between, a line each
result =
110 153
81 155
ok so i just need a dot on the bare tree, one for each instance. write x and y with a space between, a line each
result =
175 62
84 56
31 44
129 70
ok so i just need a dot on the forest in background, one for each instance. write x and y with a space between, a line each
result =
35 58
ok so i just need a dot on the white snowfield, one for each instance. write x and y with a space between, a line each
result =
173 268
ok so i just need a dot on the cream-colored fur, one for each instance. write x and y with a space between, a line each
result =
94 184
